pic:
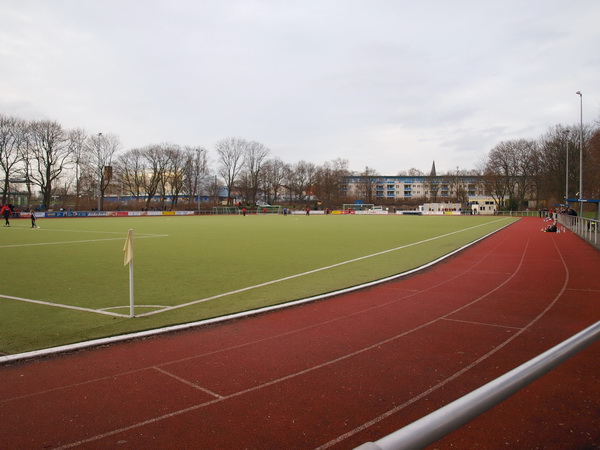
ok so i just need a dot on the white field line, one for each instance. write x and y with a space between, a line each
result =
58 305
81 241
137 306
320 269
216 320
61 230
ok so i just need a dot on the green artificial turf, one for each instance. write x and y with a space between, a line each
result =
179 260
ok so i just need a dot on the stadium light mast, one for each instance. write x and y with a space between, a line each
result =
580 152
566 133
99 176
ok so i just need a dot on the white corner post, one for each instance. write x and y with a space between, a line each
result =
128 260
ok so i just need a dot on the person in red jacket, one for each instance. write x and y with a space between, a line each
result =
6 214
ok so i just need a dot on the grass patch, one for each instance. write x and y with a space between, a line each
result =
178 260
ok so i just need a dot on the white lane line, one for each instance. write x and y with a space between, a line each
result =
481 323
188 383
320 269
339 359
232 347
464 369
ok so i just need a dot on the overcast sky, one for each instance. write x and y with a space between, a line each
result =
389 84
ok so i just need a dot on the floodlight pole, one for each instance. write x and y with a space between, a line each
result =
566 132
99 174
580 153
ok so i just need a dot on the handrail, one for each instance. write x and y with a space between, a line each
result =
586 229
438 424
532 213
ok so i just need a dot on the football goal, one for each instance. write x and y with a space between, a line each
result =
357 207
268 210
226 210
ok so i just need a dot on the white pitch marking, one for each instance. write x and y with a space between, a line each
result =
267 283
82 241
59 305
137 306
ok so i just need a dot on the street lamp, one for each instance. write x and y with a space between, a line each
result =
566 133
580 152
99 176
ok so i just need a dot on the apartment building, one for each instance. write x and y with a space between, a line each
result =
397 188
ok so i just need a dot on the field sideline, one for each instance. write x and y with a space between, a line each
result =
66 282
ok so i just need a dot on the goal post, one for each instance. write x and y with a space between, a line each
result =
226 210
357 206
269 210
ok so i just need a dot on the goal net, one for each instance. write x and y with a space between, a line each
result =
226 210
268 210
357 207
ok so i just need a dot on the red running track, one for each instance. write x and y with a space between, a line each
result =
343 371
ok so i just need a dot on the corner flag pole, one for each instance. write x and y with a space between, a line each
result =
128 249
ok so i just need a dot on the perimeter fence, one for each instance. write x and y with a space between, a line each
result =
586 229
541 213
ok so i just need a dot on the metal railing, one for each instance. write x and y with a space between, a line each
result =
521 213
587 229
438 424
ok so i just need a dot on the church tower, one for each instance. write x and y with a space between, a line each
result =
433 174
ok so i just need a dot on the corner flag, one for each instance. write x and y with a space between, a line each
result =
128 249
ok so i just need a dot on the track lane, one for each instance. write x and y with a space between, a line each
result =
304 377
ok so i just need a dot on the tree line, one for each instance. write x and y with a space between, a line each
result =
546 170
47 158
51 160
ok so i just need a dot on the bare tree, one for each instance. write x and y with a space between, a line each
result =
175 175
100 150
243 186
414 172
272 180
49 154
254 158
592 173
13 135
510 170
432 186
329 179
157 163
77 145
231 153
301 180
367 184
131 169
558 161
195 171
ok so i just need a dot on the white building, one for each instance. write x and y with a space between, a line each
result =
378 189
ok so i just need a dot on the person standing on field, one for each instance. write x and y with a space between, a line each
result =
33 218
6 214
